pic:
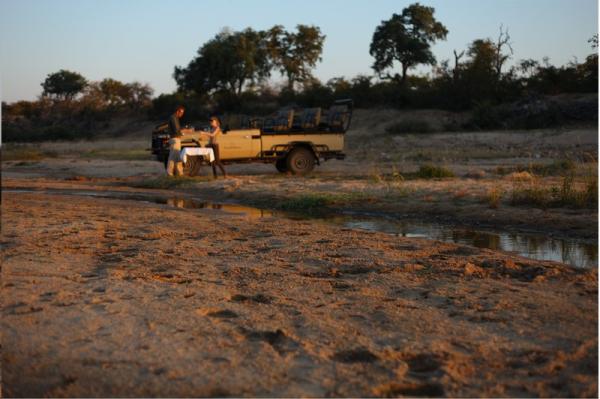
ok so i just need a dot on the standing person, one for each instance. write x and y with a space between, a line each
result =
174 164
213 138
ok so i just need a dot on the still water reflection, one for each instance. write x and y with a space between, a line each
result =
540 247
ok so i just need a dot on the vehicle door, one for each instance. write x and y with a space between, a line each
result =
239 144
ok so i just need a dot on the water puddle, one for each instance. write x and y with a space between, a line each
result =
535 246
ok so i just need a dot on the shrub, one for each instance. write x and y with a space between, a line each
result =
410 126
433 172
485 116
555 168
566 195
305 203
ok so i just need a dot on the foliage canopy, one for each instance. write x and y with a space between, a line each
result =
406 38
234 61
63 84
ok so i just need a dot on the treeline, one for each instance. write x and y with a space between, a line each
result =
233 73
477 78
230 72
72 107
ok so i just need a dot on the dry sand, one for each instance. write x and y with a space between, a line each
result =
107 297
118 298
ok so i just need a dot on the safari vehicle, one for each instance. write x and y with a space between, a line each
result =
294 140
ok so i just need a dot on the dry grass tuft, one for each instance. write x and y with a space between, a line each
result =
566 195
494 197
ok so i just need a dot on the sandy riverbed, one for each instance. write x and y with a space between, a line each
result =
107 297
117 298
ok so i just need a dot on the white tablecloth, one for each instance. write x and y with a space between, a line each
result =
194 151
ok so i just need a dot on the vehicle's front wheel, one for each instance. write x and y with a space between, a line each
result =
281 165
300 161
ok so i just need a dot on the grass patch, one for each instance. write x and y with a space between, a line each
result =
565 195
168 182
14 153
556 168
433 172
316 202
410 126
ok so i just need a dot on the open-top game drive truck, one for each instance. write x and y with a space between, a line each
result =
292 139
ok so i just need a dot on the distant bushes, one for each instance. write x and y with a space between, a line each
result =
528 95
66 131
533 113
76 110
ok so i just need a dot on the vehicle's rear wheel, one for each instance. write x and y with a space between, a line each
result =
300 161
191 166
281 165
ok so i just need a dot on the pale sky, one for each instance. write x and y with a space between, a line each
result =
143 40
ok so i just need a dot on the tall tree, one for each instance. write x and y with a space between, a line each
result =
141 95
295 53
502 51
64 85
406 38
115 93
483 70
228 62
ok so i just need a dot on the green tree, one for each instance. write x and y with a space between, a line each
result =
483 71
589 69
114 93
339 85
295 54
479 76
528 67
141 95
228 62
482 56
406 38
63 85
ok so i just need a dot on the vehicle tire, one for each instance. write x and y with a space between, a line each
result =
281 165
191 167
300 161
